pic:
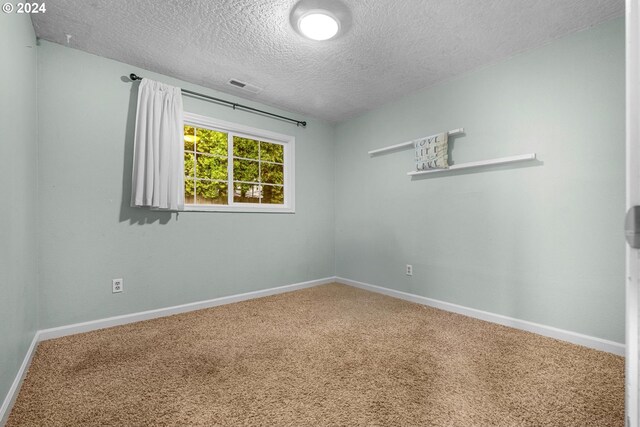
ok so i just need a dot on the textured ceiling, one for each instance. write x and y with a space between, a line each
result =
392 48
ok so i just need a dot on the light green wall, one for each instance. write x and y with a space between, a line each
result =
541 242
89 234
18 191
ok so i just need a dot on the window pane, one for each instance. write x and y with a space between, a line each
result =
272 173
244 147
189 191
211 142
271 152
272 195
209 167
211 193
189 160
257 174
246 193
245 170
189 138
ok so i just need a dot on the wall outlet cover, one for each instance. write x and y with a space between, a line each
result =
117 286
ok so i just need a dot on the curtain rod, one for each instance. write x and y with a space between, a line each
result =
233 105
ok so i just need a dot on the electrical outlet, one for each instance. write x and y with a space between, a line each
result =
117 286
409 270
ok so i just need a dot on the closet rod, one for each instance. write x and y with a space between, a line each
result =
232 104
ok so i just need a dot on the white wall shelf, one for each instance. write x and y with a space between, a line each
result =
499 161
407 144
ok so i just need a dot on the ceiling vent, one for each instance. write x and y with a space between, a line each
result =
244 86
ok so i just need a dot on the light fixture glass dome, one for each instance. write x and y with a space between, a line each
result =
318 25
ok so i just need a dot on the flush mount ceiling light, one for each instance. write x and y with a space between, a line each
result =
318 25
320 19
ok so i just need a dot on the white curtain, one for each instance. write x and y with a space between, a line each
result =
158 154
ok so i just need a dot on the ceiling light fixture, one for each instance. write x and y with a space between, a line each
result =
318 25
320 19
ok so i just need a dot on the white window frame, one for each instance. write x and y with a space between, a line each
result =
234 129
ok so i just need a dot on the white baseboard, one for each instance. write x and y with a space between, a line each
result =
547 331
61 331
10 399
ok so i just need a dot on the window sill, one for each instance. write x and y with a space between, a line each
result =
245 209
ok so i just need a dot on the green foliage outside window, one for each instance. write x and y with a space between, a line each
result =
258 169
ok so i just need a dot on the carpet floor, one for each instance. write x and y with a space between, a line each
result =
330 355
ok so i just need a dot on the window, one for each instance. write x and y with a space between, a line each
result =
229 167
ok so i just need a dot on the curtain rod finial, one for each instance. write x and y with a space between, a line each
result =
134 77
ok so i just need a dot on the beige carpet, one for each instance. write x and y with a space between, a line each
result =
330 355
